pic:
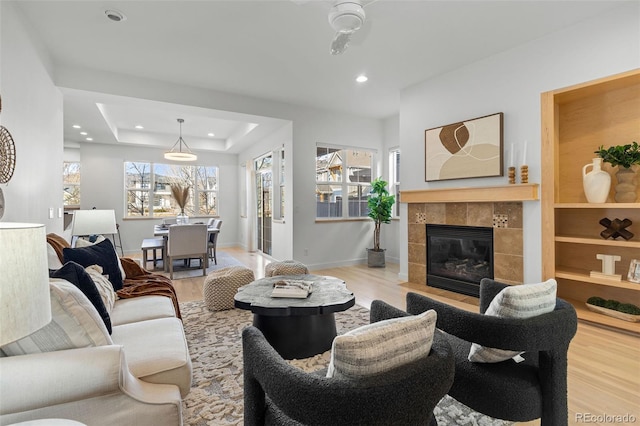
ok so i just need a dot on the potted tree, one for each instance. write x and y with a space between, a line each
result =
623 156
380 204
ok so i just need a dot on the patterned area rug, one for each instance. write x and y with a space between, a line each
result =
216 396
180 271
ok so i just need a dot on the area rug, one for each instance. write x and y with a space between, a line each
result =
215 345
180 272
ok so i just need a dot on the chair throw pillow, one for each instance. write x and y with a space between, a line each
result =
108 294
518 301
75 323
77 276
382 346
103 254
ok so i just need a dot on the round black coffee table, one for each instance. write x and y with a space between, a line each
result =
296 328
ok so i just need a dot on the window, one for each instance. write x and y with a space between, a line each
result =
71 184
278 205
148 189
394 178
342 171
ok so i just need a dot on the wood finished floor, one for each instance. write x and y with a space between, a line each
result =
604 365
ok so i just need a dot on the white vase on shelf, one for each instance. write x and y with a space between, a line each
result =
596 183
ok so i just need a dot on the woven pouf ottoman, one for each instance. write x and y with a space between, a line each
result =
222 285
286 267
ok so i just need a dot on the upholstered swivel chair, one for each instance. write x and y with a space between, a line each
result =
188 242
276 393
213 240
532 389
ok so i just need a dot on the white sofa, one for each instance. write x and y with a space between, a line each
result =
138 378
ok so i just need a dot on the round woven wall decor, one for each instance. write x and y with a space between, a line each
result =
7 155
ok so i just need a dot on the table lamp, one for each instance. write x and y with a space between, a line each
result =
24 280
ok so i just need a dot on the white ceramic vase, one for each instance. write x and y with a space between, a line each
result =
596 183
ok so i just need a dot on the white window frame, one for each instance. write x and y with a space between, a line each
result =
394 178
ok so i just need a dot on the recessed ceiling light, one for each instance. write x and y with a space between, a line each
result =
211 134
83 133
115 15
89 139
362 78
77 126
139 126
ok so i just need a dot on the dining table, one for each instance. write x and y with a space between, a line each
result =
163 231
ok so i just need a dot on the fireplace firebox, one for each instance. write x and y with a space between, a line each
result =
458 257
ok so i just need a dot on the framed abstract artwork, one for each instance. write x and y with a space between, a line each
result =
467 149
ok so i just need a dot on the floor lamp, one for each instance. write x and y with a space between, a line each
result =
25 304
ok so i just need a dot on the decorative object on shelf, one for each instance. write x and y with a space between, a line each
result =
177 153
608 267
467 149
524 174
613 308
379 204
181 195
7 159
616 228
512 175
634 271
623 156
596 183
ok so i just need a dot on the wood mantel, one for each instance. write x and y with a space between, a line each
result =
517 192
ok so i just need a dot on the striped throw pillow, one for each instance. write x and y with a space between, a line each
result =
382 346
518 301
75 323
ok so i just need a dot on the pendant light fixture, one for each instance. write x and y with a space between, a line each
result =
177 153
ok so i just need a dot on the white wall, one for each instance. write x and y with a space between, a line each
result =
102 186
390 238
511 82
328 244
32 112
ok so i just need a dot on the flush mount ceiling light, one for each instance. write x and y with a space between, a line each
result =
362 78
115 15
177 153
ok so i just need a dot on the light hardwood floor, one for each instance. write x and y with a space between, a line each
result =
604 365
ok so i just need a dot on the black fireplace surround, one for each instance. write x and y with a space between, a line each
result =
458 257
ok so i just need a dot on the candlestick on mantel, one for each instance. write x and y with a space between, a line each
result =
512 175
524 174
511 163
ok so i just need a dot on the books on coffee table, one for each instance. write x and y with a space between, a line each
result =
296 289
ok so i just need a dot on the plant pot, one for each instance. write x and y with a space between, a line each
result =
626 187
375 258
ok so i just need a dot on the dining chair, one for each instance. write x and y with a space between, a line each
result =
188 242
213 240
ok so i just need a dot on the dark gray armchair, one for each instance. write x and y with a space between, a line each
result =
535 388
275 393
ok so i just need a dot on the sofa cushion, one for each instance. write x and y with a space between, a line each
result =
75 323
85 242
141 308
517 301
102 254
156 351
76 275
382 346
52 257
107 293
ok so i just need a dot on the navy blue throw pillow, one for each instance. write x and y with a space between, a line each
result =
102 254
77 276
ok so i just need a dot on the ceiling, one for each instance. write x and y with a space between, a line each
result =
275 50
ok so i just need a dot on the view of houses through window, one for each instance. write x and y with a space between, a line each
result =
341 171
148 189
71 184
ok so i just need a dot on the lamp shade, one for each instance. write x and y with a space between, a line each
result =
25 304
94 222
